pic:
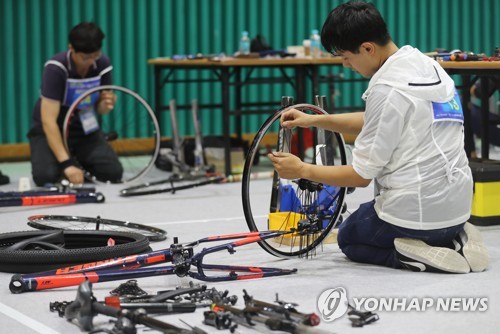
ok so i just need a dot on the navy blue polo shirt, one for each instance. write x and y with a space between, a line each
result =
62 83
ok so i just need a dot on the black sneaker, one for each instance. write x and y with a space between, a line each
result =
472 248
4 179
416 255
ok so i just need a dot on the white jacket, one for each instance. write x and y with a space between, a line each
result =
419 165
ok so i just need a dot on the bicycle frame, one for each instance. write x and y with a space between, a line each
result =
28 198
181 256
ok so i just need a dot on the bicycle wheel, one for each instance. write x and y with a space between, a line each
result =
307 208
171 184
131 129
52 222
32 251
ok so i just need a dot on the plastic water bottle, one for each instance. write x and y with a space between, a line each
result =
244 43
315 44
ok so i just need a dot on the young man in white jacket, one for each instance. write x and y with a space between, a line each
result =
410 142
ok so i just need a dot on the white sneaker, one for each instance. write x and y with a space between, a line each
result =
473 248
416 255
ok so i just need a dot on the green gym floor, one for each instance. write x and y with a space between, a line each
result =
216 209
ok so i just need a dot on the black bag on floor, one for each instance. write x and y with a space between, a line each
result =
163 163
4 179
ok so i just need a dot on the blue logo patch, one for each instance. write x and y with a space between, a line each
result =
76 87
448 111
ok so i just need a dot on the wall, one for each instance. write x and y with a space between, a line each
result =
136 30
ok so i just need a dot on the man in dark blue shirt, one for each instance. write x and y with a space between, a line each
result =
65 77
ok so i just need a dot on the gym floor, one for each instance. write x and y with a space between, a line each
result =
216 209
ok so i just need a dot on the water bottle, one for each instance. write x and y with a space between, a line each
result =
244 43
315 44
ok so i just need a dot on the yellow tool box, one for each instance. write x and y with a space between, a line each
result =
486 199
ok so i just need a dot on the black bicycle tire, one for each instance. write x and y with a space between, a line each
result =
44 222
28 261
151 114
146 189
254 152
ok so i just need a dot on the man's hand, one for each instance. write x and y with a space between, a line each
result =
106 102
293 118
287 165
74 174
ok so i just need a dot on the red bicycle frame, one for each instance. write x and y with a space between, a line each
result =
181 256
28 198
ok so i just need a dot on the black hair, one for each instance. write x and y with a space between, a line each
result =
86 37
351 24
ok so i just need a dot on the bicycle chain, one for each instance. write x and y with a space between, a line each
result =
59 307
129 288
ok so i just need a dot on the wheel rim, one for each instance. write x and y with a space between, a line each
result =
131 130
55 222
171 185
276 204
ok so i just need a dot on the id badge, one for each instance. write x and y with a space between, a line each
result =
89 120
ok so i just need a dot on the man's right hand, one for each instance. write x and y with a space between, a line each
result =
74 174
295 118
